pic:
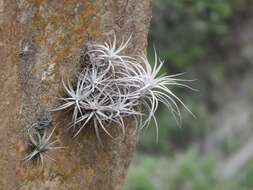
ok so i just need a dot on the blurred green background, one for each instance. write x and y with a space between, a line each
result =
212 41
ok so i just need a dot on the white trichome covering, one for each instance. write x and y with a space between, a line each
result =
113 86
40 144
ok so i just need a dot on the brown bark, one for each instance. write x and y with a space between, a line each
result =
30 81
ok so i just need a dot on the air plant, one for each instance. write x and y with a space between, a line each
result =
109 52
154 89
74 97
114 86
40 145
26 48
43 122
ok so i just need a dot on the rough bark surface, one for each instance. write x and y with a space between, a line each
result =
40 42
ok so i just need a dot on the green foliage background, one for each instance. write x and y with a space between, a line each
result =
192 36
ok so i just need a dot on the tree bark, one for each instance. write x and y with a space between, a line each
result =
40 41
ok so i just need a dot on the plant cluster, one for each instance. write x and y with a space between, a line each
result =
112 86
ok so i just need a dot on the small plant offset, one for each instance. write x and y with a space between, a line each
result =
112 86
43 122
39 138
40 145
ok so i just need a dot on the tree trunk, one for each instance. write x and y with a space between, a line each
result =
40 42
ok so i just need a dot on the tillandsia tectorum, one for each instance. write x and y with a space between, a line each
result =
112 86
42 123
40 144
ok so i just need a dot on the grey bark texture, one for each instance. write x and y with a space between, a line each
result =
40 42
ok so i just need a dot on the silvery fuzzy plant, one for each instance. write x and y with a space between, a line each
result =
40 141
40 144
113 86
